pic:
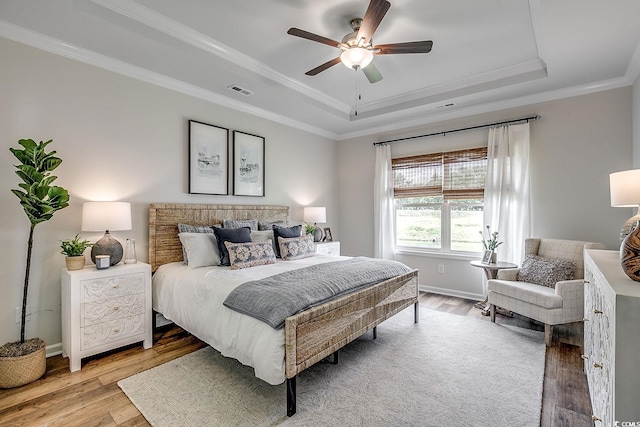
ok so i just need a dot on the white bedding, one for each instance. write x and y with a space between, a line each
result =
192 298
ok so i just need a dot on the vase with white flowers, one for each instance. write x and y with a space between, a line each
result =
490 244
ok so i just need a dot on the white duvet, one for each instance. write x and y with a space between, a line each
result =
192 299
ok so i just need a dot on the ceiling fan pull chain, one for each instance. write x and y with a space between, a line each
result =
358 97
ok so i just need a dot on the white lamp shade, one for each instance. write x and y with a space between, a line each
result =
103 216
625 188
315 214
356 57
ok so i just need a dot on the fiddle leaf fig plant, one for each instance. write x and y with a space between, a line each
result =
38 197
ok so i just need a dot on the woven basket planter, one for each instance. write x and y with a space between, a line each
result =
21 370
74 262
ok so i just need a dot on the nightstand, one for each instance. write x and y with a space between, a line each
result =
105 309
328 248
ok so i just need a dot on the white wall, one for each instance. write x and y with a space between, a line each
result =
121 139
574 146
636 123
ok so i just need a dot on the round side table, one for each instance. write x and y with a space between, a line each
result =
491 271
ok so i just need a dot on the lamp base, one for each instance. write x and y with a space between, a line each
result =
107 246
628 226
630 254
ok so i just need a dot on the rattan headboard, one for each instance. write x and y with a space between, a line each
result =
164 244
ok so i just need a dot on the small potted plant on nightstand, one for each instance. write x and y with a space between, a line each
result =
309 228
74 250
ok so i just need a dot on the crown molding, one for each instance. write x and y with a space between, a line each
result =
488 107
172 28
55 46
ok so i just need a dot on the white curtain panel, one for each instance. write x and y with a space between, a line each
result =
383 216
507 195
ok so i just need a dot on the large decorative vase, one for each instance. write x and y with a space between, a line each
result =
21 370
630 254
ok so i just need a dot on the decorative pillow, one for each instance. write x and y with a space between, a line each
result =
296 247
251 223
187 228
545 271
286 233
263 236
263 226
243 255
233 235
201 249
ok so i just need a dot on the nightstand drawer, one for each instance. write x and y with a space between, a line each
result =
328 248
96 312
104 333
112 286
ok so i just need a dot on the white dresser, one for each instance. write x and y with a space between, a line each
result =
105 309
611 339
328 248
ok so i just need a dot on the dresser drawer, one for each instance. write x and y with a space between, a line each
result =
112 286
107 332
95 312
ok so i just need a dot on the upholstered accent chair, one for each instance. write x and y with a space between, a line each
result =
548 287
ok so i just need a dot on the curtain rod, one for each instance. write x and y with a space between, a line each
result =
443 133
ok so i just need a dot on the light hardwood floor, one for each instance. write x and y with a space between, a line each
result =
91 397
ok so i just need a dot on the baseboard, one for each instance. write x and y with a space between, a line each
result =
54 349
452 293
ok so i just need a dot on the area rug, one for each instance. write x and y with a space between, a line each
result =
447 370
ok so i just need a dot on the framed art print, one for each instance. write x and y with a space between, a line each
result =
248 164
208 159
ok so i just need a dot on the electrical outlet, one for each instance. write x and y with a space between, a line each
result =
19 314
441 268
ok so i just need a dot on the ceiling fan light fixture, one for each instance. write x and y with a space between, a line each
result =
356 57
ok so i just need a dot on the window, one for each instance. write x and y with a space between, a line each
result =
439 200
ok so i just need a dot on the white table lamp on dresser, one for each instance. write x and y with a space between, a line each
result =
105 309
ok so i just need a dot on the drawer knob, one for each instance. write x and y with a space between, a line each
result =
584 357
594 418
116 308
116 286
596 311
115 331
586 282
597 365
585 319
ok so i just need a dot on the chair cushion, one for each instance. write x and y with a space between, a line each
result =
528 292
545 271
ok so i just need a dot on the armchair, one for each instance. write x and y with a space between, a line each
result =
560 304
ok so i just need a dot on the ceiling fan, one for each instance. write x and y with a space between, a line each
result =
357 47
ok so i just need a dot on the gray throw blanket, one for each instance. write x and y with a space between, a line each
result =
277 297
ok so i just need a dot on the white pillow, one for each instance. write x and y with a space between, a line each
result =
201 248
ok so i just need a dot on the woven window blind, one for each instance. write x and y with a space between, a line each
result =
452 175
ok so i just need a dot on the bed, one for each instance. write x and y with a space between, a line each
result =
276 355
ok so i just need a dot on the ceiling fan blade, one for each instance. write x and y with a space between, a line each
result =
372 18
323 67
372 73
313 37
408 47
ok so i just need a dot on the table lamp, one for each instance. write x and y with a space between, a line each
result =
105 216
315 215
625 192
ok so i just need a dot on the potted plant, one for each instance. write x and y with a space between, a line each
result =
74 250
22 362
309 228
